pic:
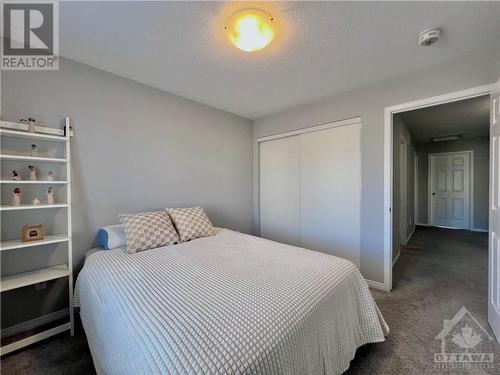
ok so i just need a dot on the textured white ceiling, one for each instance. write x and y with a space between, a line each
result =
323 48
469 117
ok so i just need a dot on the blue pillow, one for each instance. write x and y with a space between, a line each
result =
112 236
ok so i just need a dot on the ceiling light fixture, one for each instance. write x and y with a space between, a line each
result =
251 29
452 137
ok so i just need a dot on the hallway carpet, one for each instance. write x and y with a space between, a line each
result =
439 273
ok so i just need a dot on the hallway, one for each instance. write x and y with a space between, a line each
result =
441 271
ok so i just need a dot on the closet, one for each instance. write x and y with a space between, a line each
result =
310 188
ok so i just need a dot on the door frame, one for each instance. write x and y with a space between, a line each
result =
471 186
403 188
415 189
388 156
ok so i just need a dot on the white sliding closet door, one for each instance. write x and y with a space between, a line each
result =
279 190
330 191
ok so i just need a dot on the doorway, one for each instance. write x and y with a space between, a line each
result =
445 152
419 168
488 197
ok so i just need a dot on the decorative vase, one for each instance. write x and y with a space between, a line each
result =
16 197
50 195
32 173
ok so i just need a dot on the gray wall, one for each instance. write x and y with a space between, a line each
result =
135 148
481 148
400 129
369 103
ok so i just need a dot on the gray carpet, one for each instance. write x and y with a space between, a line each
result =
445 271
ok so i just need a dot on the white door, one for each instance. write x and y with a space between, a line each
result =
450 189
330 191
279 190
494 233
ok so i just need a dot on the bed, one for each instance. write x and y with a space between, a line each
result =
229 303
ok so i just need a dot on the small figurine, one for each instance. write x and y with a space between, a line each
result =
34 150
15 176
50 195
16 197
51 176
32 173
31 124
35 201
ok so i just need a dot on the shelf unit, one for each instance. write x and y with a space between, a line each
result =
9 207
32 277
25 135
28 182
18 244
32 158
19 280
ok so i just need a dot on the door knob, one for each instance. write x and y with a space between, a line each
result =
433 193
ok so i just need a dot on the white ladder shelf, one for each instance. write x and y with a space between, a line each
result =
19 280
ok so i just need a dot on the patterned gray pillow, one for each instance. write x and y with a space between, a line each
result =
191 223
148 230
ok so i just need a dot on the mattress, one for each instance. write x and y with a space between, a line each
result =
226 304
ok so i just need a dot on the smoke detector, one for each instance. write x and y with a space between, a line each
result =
428 37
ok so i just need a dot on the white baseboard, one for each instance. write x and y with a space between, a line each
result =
479 230
472 229
424 225
375 285
396 259
33 323
409 237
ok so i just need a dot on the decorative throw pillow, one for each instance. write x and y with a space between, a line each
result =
112 236
148 230
191 223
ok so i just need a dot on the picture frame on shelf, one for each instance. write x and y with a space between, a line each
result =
32 232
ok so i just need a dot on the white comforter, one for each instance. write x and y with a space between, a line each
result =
230 303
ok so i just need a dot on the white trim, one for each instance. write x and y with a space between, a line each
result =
472 163
67 127
409 236
42 132
424 225
441 99
479 230
471 186
35 338
375 285
388 115
334 124
34 323
396 259
403 189
388 194
429 188
415 189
